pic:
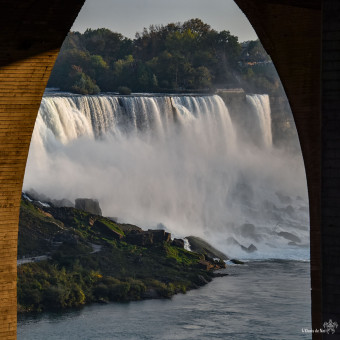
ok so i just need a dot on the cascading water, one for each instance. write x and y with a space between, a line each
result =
261 109
175 162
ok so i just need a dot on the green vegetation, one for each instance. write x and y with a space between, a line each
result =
91 260
124 90
180 57
39 226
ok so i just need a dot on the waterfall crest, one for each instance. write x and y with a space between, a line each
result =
70 117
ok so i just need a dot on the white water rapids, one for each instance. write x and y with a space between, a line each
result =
175 162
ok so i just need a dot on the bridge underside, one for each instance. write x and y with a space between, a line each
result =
303 39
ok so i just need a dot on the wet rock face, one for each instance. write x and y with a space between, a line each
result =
141 239
202 247
289 236
177 242
159 236
249 249
88 205
106 230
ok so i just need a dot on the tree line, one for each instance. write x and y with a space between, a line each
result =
189 56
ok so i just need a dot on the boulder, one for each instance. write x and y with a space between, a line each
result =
160 236
178 242
220 264
214 264
235 261
106 230
88 205
202 247
289 236
249 249
205 265
129 228
141 239
147 238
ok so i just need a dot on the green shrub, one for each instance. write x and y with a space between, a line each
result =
84 85
119 292
124 90
101 291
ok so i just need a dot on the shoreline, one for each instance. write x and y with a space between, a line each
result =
127 264
214 275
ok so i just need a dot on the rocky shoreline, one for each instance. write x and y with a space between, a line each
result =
87 258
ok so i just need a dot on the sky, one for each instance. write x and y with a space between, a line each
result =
130 16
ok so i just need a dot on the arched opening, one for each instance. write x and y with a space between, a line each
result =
29 46
186 141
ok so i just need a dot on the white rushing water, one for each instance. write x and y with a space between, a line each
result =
261 109
175 162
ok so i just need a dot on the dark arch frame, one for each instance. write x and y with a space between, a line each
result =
291 33
302 37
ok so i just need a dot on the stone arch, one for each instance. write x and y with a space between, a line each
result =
291 33
32 32
31 35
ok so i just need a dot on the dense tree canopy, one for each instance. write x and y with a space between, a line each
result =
189 56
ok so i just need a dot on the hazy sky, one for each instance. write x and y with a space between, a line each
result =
129 16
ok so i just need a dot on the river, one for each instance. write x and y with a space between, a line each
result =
256 301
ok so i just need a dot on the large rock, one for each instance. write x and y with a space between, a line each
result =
205 265
202 247
160 236
105 229
128 228
148 238
88 205
249 249
289 236
142 239
178 242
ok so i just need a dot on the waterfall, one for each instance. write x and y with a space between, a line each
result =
70 117
261 109
175 161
